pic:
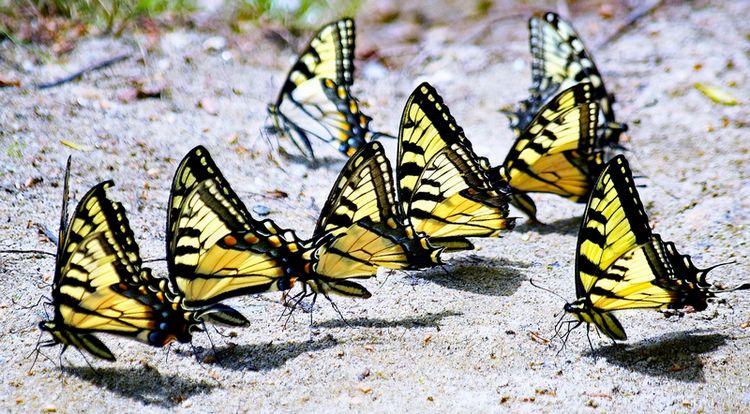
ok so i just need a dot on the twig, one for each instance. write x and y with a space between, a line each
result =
101 65
630 21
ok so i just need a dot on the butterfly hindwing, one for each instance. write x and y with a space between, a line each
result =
443 185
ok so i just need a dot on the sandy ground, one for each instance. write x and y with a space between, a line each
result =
471 339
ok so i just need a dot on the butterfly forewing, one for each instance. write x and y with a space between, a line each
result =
330 54
560 60
361 227
101 287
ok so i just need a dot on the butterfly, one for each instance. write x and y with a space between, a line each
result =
622 264
443 186
361 226
316 101
100 285
206 224
360 229
556 153
560 60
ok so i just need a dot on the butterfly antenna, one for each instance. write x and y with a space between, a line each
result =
21 251
547 290
338 311
377 135
13 301
160 259
655 182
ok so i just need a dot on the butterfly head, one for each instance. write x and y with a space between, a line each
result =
583 312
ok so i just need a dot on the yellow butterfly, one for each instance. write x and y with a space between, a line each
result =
559 61
206 222
443 185
556 153
622 264
100 285
315 100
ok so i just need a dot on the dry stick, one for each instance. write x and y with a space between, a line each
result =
101 65
630 21
16 251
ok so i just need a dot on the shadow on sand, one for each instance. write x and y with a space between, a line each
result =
429 320
673 355
568 226
268 356
143 384
494 277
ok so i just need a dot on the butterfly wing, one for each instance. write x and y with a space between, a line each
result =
560 60
323 109
443 185
330 55
556 153
361 225
215 248
100 286
315 100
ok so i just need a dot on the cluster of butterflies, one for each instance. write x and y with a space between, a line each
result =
442 194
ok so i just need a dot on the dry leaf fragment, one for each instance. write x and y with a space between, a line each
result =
597 395
427 339
33 181
369 348
277 194
209 105
365 390
9 82
233 138
364 374
73 145
537 337
716 94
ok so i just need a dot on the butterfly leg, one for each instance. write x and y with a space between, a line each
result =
588 336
